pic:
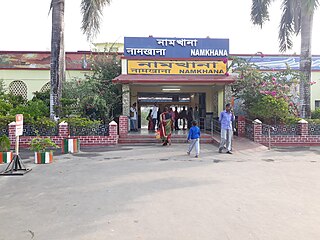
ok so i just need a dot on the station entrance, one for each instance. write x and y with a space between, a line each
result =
176 101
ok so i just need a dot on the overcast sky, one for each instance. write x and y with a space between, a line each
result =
25 24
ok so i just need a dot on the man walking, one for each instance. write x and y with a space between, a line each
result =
226 119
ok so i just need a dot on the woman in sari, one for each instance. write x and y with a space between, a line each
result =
165 127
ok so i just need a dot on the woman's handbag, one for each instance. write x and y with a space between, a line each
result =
158 134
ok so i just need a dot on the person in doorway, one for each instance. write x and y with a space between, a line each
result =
226 120
150 122
176 119
165 127
196 115
133 118
172 117
158 118
183 116
154 115
194 138
189 117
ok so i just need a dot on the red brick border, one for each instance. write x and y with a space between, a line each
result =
303 139
112 139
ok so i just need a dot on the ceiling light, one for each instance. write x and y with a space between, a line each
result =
170 89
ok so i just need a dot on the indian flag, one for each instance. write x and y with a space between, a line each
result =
6 157
70 145
43 157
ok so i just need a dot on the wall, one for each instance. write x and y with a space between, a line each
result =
302 138
64 133
35 79
315 89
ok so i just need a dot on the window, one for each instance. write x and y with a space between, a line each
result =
18 88
45 87
317 104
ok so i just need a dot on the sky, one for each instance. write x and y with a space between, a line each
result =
26 24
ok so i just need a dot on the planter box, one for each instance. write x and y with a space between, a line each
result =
6 157
70 145
43 157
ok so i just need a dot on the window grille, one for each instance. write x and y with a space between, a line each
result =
18 88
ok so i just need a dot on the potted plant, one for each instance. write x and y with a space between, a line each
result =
6 155
42 148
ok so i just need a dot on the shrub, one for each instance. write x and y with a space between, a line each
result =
5 120
80 122
5 107
42 144
35 109
268 108
315 114
4 143
289 120
313 121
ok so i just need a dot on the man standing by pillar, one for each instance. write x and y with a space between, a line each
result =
133 118
226 120
154 115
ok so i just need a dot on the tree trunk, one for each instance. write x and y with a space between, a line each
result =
305 62
57 66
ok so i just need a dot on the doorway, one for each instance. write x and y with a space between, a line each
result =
171 100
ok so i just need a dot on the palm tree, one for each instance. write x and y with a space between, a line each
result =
297 17
91 17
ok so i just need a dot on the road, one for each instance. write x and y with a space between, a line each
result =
150 192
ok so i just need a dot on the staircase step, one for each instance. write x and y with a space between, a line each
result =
154 140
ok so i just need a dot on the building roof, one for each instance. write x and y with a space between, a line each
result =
21 60
192 79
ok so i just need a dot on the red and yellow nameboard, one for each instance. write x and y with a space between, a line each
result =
177 67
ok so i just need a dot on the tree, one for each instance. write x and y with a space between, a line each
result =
95 97
268 95
57 67
92 12
297 17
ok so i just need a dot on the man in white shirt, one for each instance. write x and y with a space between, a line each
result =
133 118
154 115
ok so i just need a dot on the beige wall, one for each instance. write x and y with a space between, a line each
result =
35 79
315 89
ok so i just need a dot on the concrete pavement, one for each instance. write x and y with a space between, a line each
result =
159 193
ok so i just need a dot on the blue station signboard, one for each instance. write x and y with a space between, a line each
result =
176 47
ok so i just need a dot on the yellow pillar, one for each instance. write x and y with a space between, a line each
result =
220 101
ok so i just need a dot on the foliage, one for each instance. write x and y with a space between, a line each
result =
4 143
289 120
43 96
14 100
297 17
80 122
91 16
5 120
269 107
42 122
314 121
69 107
2 87
39 144
291 23
95 97
315 114
5 107
35 109
256 87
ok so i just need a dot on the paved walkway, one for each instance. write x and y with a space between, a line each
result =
159 193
